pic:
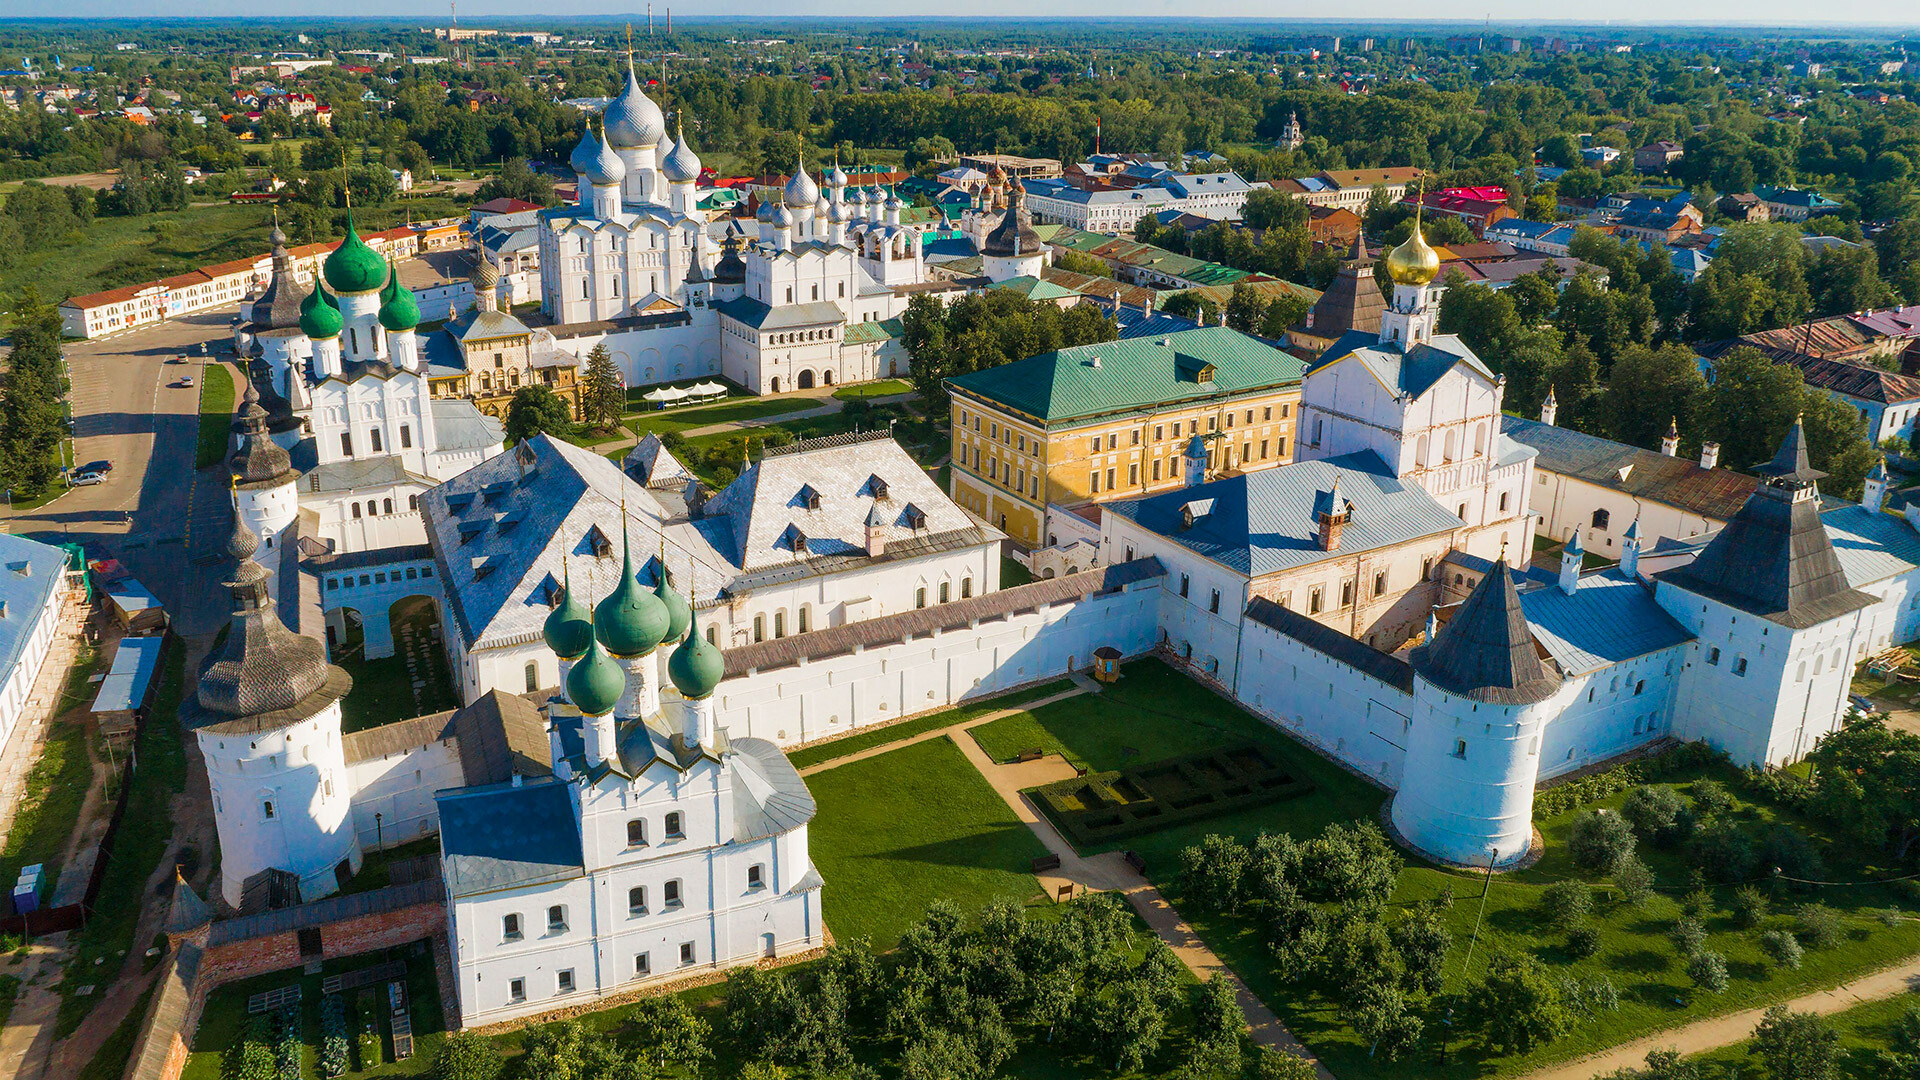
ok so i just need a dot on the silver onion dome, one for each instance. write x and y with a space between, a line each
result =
632 118
682 165
801 191
782 217
836 178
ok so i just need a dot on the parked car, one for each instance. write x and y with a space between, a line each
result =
103 466
86 479
182 381
1861 702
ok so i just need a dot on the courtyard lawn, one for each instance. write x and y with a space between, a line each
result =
376 867
216 415
1864 1030
897 831
906 729
49 808
1012 571
877 388
383 689
226 1014
1154 713
705 455
733 411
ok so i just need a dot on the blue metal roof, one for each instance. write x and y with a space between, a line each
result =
1262 522
507 835
29 572
125 687
1871 547
1607 619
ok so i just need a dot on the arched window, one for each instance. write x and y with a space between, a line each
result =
533 676
386 506
1419 451
1479 440
1600 519
637 832
356 510
1448 446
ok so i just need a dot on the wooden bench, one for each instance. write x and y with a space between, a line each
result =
1032 753
401 1021
1134 860
1046 862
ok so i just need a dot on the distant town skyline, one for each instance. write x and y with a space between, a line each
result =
1751 14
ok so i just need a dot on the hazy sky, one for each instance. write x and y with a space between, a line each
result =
1764 13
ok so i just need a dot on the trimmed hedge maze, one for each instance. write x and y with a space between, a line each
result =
1104 807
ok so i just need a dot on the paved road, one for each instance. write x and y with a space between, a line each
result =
124 413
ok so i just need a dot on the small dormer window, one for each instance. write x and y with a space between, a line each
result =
916 517
599 543
797 540
876 487
808 497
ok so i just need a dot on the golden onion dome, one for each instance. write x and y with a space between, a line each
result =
1413 262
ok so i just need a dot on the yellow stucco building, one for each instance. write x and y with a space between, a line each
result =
1116 420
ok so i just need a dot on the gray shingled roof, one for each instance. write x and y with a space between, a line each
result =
1486 651
751 312
769 798
1607 619
1774 559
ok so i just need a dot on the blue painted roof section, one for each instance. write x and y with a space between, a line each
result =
502 836
29 572
1871 547
1411 372
1522 227
125 687
1262 522
1135 323
1609 618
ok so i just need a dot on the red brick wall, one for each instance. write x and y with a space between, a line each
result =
349 937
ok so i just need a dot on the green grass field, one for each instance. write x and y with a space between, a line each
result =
877 388
662 421
216 415
937 832
906 729
1158 714
50 808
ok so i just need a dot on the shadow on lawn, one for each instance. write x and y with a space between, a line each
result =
987 849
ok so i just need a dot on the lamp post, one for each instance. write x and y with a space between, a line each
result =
378 840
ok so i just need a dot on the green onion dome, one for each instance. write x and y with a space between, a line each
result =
398 309
679 612
631 621
354 267
696 666
569 629
319 317
596 682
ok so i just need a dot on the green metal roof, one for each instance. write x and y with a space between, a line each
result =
1067 385
866 333
1034 288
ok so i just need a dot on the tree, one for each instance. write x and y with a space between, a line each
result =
1796 1046
464 1055
1350 863
536 410
1246 308
1283 313
31 426
1866 781
1598 840
1708 970
1648 389
1901 1059
603 394
1219 1027
1652 810
1271 1064
1519 1005
1721 851
516 180
1079 262
673 1035
557 1052
1422 939
1380 1016
1192 305
1127 1020
1566 904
